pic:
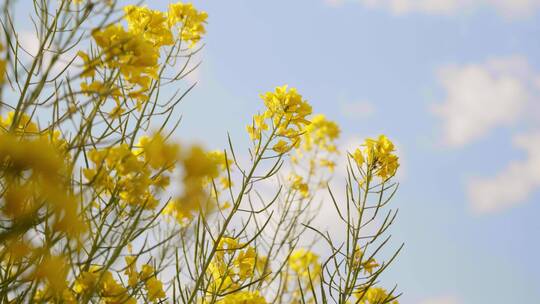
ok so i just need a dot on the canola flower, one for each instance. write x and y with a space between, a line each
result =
321 134
378 155
305 264
245 297
368 265
190 21
233 266
135 52
137 176
375 295
286 112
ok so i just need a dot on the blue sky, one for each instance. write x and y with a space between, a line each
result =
454 83
387 68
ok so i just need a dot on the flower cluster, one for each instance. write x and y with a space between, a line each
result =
200 167
136 175
83 186
102 283
298 184
53 271
287 112
233 265
321 134
34 178
368 265
305 264
135 52
317 150
190 20
244 297
375 295
147 275
378 154
152 25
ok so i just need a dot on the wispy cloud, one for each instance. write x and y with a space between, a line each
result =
29 42
507 8
514 184
482 97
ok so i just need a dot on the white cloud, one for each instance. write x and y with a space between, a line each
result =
481 97
507 8
442 300
30 45
359 109
511 186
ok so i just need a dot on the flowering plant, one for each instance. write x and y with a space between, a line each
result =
98 203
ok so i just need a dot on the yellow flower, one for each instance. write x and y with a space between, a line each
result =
199 168
15 250
136 175
331 165
281 147
198 164
254 133
89 69
117 111
287 111
151 24
299 185
190 19
375 295
101 89
358 157
158 153
86 281
305 264
154 287
54 270
44 185
322 133
368 266
380 155
112 292
245 262
134 53
24 125
131 270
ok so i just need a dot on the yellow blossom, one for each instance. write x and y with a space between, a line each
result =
191 21
154 287
299 185
53 270
151 24
375 295
244 297
305 264
321 133
358 157
281 147
158 153
380 155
